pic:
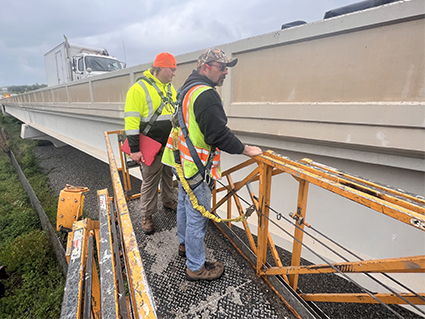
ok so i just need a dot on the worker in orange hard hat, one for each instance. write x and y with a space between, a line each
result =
148 108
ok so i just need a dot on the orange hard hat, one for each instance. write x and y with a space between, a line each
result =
165 60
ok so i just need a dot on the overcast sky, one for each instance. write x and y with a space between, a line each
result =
134 31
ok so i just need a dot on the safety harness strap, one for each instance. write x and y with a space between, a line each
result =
203 171
164 101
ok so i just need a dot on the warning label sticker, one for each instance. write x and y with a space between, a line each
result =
77 244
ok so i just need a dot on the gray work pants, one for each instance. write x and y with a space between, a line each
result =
152 176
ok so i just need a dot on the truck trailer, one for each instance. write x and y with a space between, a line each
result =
71 62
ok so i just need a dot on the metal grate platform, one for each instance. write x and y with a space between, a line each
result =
239 293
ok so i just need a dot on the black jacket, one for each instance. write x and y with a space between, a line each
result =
212 119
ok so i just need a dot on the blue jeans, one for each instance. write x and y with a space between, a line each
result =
192 226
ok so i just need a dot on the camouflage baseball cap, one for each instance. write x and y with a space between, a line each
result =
215 54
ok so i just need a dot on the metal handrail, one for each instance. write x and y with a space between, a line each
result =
403 207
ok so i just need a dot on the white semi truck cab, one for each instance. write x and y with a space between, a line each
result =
71 62
87 64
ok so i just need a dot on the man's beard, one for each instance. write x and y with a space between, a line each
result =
219 82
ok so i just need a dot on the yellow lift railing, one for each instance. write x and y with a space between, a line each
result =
398 205
283 279
93 294
126 164
142 305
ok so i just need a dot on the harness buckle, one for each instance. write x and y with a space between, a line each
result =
207 176
208 180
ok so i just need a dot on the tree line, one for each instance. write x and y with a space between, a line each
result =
17 89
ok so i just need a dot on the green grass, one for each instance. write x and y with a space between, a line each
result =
35 285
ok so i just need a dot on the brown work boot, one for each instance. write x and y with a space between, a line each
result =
210 271
171 205
182 250
147 225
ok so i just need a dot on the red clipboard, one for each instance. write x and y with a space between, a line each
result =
149 148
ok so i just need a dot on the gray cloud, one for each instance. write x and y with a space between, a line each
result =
29 29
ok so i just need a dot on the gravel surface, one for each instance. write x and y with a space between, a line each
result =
67 165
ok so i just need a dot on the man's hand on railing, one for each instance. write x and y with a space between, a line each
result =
252 151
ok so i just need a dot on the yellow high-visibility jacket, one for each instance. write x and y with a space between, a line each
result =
141 103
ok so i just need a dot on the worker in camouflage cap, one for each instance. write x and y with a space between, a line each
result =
215 54
197 159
